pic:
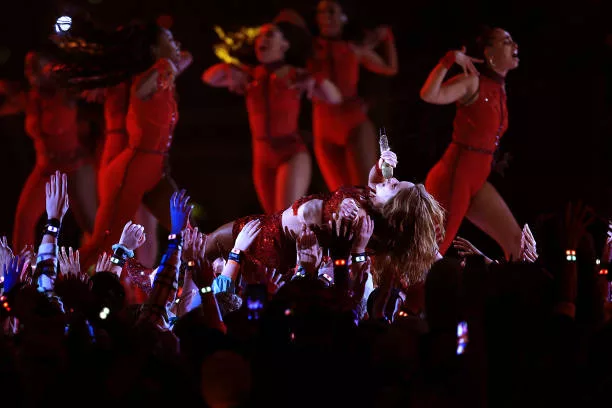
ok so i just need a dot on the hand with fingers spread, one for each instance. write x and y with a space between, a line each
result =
528 246
342 237
133 236
273 281
69 262
247 235
190 237
309 253
6 253
180 211
12 273
363 231
464 61
199 245
57 202
349 209
28 254
104 263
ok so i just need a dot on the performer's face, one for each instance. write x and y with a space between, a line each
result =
270 44
167 47
502 53
330 18
388 189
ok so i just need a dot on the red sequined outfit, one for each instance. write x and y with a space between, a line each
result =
272 248
466 164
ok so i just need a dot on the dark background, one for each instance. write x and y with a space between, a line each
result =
559 98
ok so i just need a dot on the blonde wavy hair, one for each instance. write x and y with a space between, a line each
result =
415 226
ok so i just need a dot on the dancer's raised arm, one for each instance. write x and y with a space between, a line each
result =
458 88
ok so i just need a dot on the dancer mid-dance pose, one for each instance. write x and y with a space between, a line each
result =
51 122
116 103
138 174
273 90
459 179
407 223
344 137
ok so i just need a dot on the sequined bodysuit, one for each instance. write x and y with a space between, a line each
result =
272 248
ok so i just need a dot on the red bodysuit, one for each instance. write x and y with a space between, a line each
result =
272 248
466 163
51 122
138 173
274 110
338 62
116 106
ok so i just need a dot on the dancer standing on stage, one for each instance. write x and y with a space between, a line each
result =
149 55
51 122
116 104
344 138
273 90
459 179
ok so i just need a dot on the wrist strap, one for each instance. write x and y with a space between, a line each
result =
234 257
118 261
175 240
52 227
122 251
359 257
448 60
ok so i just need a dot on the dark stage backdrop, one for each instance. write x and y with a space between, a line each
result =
559 98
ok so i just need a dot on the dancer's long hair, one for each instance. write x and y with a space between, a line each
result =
104 59
414 225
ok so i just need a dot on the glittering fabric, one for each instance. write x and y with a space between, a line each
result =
332 201
137 277
271 248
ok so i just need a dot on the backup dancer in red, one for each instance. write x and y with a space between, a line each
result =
459 179
116 104
344 137
51 122
139 173
273 91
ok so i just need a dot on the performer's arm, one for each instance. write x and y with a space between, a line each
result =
222 75
376 175
185 62
156 78
458 88
374 62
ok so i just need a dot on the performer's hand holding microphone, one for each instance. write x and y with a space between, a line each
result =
388 159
